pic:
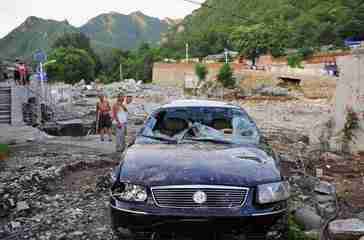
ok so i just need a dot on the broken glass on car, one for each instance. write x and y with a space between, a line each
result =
203 124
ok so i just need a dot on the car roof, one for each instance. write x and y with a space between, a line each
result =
199 103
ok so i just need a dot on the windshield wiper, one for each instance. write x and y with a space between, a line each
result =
161 139
213 140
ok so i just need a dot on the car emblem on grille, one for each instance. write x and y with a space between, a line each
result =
199 197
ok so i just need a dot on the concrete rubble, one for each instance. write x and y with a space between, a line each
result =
349 229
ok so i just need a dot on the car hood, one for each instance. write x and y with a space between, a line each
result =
200 164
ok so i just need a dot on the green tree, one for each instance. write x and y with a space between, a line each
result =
226 76
72 65
201 71
252 41
79 41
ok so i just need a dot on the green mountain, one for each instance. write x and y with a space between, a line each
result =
115 30
107 31
35 33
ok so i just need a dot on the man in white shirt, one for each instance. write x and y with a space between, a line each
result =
121 114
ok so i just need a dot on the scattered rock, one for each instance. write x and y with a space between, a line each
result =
325 188
22 206
326 210
304 198
322 198
308 218
15 225
313 234
361 216
349 229
77 233
328 156
272 91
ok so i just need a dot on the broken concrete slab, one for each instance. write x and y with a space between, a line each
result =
323 198
325 188
349 229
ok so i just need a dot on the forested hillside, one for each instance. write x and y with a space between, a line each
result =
276 25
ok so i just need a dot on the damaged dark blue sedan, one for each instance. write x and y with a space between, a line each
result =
199 167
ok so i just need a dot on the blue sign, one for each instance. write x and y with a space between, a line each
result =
44 74
40 56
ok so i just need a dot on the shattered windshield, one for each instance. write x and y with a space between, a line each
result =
219 125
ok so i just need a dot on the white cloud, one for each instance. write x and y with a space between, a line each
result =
78 12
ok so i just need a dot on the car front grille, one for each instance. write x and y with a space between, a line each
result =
215 196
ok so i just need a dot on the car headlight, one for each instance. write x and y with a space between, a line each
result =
130 192
273 192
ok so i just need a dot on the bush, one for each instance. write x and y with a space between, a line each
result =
201 72
225 76
4 149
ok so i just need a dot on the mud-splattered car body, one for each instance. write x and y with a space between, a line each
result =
165 186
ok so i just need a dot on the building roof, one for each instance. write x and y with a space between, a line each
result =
221 55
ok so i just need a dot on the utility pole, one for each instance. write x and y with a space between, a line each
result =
187 52
121 72
226 56
41 94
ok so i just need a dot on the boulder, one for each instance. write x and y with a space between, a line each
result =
22 206
326 210
361 216
349 229
308 218
323 198
325 188
329 157
313 234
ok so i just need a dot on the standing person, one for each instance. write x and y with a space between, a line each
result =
23 73
104 118
120 115
16 72
28 74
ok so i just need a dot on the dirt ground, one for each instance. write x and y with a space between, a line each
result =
74 204
347 174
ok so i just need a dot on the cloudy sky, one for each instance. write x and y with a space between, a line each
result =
77 12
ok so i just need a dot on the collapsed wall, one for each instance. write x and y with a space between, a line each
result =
348 129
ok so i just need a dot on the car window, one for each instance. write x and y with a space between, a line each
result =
195 123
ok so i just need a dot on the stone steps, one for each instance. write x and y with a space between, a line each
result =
5 105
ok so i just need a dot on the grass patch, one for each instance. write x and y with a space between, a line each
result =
4 152
4 149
